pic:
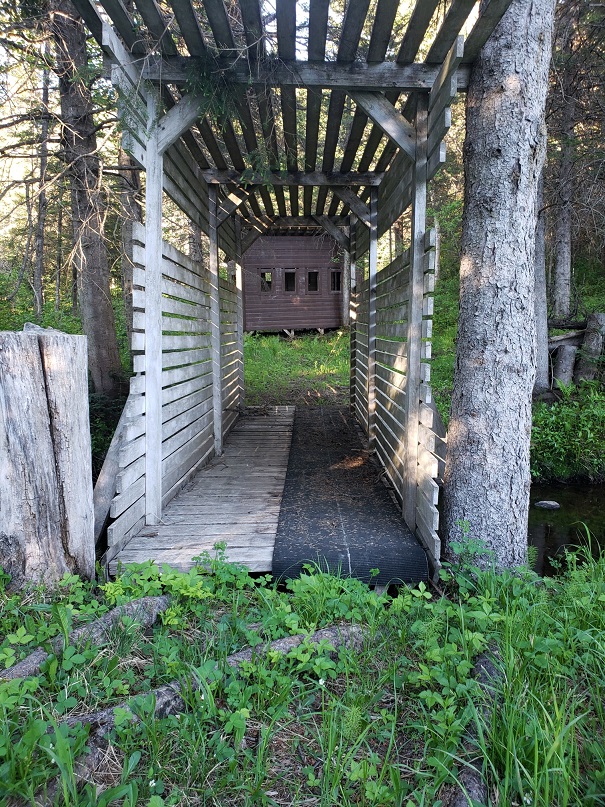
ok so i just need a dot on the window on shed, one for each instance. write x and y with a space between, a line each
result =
312 281
335 284
265 281
289 281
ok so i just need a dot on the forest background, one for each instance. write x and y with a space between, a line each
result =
69 194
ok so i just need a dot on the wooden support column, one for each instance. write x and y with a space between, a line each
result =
373 270
153 318
352 251
414 330
239 287
215 321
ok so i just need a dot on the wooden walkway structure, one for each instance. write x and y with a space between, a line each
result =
233 501
253 116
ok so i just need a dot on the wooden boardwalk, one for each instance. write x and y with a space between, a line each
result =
234 500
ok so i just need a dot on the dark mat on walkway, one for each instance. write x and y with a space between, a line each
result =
335 509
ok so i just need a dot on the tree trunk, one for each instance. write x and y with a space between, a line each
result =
542 382
79 145
487 468
561 293
592 348
42 200
564 363
561 290
46 511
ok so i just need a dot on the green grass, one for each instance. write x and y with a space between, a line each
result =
391 724
310 369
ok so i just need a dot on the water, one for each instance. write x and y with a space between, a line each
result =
552 530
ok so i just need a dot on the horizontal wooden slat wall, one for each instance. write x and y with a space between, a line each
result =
231 354
391 363
392 297
431 437
187 384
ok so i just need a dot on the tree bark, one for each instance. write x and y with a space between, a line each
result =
487 469
542 382
564 363
592 348
561 289
79 144
42 200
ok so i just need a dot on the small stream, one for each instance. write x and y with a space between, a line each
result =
551 530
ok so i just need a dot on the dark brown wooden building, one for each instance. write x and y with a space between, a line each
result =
293 282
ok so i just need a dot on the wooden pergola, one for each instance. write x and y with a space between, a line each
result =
251 117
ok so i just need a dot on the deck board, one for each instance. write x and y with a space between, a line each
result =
235 500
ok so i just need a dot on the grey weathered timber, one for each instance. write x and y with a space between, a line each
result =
352 251
487 469
379 77
352 200
215 321
235 499
46 507
389 119
153 320
239 285
337 234
368 178
372 271
414 330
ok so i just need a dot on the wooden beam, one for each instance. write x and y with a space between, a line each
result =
305 221
215 321
445 86
353 314
153 321
380 77
235 199
415 309
330 178
258 227
389 119
177 120
357 206
332 230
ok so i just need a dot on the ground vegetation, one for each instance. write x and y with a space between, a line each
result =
395 720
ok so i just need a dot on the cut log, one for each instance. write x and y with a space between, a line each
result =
592 348
46 510
564 364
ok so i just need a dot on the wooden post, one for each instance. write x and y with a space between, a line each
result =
414 330
239 286
373 271
46 506
346 290
153 318
353 312
215 321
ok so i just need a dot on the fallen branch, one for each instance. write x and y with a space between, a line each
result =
168 698
144 611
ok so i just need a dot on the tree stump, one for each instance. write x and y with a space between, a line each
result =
592 348
46 509
564 364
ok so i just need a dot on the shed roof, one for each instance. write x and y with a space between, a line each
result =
306 106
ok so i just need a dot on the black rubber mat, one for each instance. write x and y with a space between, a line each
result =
336 512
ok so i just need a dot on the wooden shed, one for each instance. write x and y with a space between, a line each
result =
351 174
293 282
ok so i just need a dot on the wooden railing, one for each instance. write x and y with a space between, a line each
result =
188 384
386 392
